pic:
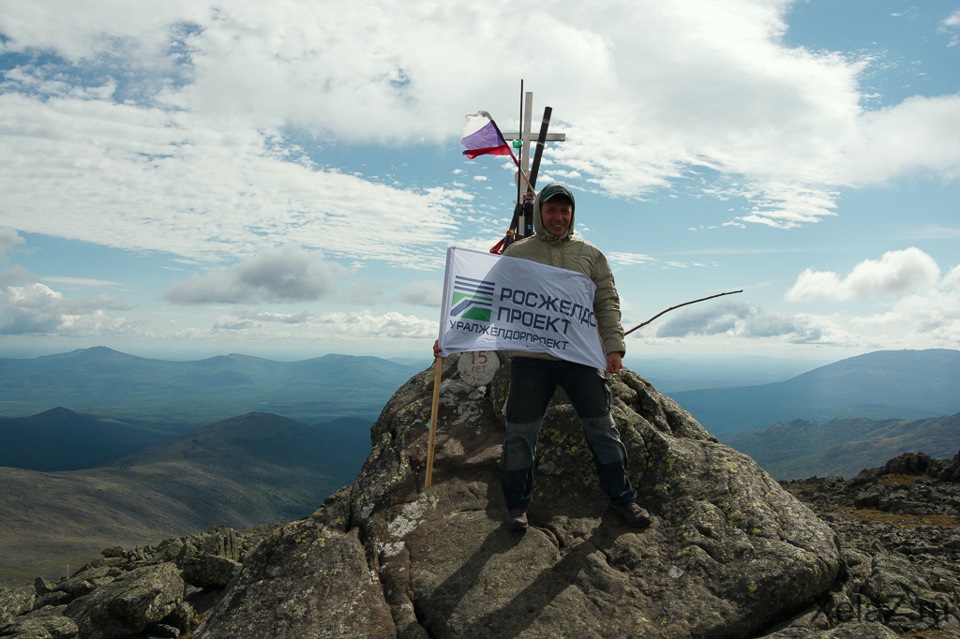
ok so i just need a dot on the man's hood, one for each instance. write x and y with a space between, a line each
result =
547 192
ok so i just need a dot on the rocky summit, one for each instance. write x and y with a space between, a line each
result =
731 553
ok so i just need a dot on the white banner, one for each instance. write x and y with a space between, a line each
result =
493 302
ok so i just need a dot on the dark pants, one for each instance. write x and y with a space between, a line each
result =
533 382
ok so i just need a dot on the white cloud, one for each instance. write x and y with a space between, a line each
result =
181 114
920 309
740 319
9 238
204 189
914 322
897 272
951 26
919 134
285 274
344 326
629 259
369 325
209 133
78 281
283 318
16 275
951 281
917 307
249 319
36 308
422 293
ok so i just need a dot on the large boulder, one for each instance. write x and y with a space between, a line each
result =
46 623
16 601
952 471
163 591
310 579
730 552
129 604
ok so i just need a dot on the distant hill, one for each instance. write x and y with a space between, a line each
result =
102 381
879 385
672 375
60 439
235 449
801 449
240 472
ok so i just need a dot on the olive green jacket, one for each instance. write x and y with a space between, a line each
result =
575 254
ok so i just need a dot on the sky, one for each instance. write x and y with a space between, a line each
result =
184 179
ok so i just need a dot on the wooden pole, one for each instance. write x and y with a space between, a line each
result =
433 422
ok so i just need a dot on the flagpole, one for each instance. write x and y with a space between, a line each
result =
520 194
433 422
514 157
522 174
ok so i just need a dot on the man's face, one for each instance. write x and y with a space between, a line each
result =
555 214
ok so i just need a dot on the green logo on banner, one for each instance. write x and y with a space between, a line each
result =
472 299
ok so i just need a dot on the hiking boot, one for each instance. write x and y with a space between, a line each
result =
516 520
633 514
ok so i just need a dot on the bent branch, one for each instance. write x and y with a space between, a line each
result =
673 308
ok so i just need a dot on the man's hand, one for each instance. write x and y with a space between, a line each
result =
614 363
437 353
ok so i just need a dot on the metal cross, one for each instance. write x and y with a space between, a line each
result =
528 136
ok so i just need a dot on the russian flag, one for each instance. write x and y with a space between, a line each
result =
481 136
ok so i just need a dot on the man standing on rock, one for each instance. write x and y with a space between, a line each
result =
534 376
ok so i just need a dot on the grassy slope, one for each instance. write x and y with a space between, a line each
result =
248 470
60 439
802 449
880 385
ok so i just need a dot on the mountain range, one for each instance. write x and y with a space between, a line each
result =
60 439
728 553
801 449
129 402
125 471
185 395
672 375
880 385
244 471
725 395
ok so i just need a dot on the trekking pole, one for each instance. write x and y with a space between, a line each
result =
541 142
523 206
534 170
